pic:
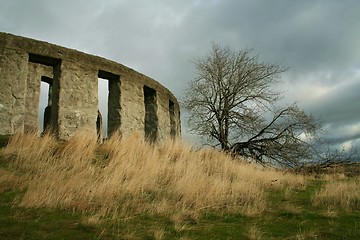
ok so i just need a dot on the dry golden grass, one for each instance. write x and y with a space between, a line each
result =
159 234
9 180
310 234
92 221
339 194
255 233
128 176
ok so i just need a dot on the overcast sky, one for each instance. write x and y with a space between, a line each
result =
319 40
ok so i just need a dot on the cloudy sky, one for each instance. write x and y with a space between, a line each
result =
319 40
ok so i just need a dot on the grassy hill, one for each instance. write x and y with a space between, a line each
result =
128 189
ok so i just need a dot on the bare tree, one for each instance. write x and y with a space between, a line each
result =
231 103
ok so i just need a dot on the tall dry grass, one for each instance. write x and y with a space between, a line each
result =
340 195
122 177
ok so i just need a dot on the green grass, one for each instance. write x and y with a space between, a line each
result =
19 223
302 221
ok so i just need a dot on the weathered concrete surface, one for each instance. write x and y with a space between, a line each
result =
13 72
32 97
74 101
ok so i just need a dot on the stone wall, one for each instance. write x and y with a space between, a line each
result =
135 101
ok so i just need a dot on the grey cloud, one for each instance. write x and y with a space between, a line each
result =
340 139
160 38
340 112
340 106
300 34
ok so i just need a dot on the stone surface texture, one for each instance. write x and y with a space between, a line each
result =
73 77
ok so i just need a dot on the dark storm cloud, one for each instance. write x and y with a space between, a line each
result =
300 34
317 39
339 109
341 105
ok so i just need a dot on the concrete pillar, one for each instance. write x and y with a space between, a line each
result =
13 72
77 106
36 73
132 106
